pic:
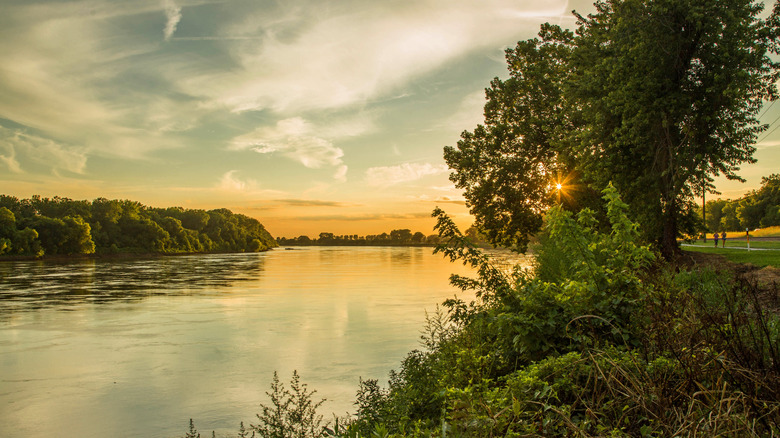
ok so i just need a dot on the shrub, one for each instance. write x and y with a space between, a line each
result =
292 413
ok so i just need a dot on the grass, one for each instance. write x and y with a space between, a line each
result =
761 232
736 247
758 258
741 243
766 232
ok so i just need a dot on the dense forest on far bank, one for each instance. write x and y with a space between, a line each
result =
61 226
403 237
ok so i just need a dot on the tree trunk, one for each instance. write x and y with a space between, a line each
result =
669 247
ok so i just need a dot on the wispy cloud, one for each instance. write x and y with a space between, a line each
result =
458 200
318 83
9 159
172 17
392 175
39 151
341 59
768 144
232 183
65 72
469 113
294 138
311 203
367 217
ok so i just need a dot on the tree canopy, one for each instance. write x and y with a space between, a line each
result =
43 226
757 209
656 96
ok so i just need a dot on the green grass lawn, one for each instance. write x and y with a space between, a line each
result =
758 257
739 243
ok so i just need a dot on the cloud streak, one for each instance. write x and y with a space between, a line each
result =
230 182
172 17
391 175
39 151
311 203
349 58
367 217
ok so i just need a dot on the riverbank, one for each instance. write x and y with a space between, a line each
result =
605 339
113 256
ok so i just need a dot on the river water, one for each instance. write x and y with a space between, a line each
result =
135 348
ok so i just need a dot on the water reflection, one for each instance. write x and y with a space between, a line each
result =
32 285
147 344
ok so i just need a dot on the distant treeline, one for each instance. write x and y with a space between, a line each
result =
42 226
403 237
757 209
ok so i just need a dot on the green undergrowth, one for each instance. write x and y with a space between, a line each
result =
602 339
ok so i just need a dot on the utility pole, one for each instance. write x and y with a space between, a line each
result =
704 209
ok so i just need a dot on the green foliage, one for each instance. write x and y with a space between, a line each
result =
657 96
68 235
192 432
244 433
506 166
671 91
39 226
758 208
603 341
292 413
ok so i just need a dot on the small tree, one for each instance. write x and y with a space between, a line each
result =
192 433
292 413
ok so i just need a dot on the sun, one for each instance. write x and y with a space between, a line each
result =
563 187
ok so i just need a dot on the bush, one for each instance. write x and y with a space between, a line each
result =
292 413
603 341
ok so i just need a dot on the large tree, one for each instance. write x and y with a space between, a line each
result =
507 165
670 91
657 96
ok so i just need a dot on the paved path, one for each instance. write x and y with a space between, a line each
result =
730 247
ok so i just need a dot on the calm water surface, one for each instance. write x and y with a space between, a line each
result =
135 348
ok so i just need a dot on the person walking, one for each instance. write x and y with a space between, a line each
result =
723 235
716 240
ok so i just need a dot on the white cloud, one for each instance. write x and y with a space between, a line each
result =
469 113
294 138
172 17
391 175
86 73
341 173
458 199
337 61
10 159
232 183
40 151
450 188
59 71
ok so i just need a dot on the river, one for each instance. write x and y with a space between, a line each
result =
135 348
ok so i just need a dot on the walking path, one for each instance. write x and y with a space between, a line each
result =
731 247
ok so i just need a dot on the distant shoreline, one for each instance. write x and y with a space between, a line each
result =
118 256
366 245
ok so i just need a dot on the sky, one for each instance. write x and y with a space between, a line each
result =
311 116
